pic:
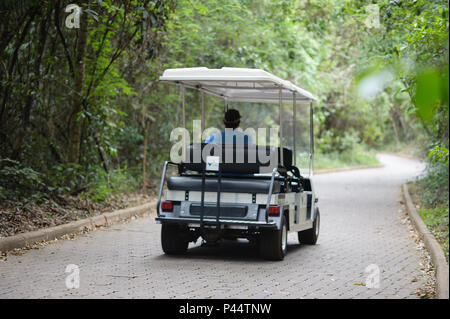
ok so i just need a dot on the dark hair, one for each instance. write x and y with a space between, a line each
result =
232 118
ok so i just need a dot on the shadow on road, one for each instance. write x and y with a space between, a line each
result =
239 250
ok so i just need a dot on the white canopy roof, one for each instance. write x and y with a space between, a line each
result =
237 84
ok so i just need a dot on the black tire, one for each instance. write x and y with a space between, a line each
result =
174 239
311 235
271 242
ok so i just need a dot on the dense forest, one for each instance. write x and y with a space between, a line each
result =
82 114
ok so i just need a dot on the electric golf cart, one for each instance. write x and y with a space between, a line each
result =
238 190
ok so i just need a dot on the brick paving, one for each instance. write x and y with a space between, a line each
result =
361 225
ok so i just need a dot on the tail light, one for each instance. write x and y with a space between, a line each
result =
274 211
167 206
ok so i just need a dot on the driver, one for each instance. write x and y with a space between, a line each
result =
231 120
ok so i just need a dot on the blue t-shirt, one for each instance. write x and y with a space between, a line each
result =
230 136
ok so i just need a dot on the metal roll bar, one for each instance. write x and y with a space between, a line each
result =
269 196
161 186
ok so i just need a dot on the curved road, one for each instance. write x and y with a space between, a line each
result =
362 235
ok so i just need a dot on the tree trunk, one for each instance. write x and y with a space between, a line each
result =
35 84
144 160
77 92
403 124
12 63
394 125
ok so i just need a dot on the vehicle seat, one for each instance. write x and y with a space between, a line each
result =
227 185
238 159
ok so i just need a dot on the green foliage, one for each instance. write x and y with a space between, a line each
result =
437 221
38 59
19 183
435 185
433 193
357 157
324 46
439 154
103 184
428 92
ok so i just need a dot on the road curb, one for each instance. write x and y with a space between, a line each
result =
437 255
91 223
344 169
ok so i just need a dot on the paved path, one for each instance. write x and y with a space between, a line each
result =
361 225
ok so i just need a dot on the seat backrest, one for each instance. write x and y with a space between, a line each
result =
242 159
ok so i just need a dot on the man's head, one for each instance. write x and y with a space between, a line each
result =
232 119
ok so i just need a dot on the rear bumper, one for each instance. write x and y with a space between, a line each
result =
213 221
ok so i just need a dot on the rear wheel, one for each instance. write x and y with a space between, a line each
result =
174 239
273 243
311 235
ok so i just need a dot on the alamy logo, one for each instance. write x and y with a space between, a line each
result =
181 150
373 16
73 277
73 19
373 278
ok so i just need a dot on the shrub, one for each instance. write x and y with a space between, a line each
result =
19 183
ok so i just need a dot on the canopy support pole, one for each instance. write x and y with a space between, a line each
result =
294 106
281 126
203 112
182 105
311 142
184 117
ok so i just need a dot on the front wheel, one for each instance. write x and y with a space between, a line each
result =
273 243
311 235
